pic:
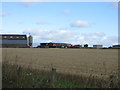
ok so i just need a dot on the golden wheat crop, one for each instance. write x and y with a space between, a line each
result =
76 61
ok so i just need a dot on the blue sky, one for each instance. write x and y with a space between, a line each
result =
69 22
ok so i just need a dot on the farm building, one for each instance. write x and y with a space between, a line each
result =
116 46
54 45
97 46
76 46
14 40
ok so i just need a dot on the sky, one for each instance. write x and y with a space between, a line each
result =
63 22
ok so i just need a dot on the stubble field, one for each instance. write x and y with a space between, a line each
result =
74 61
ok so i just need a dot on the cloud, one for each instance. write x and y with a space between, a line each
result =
100 38
67 11
67 36
28 3
41 22
9 33
20 22
52 35
3 14
29 0
116 5
79 23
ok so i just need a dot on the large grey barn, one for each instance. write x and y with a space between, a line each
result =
13 40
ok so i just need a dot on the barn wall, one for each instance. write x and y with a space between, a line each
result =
14 41
14 45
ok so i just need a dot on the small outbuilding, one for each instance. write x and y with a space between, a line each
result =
116 46
97 46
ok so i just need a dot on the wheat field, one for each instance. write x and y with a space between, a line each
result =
76 61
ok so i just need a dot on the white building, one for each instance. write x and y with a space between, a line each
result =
97 46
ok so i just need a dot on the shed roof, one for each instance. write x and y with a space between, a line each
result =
13 37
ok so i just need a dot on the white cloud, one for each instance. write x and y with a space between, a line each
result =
29 2
49 35
3 14
66 0
100 34
9 33
115 5
67 36
79 23
41 22
67 11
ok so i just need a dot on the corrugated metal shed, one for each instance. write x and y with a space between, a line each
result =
13 40
97 46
